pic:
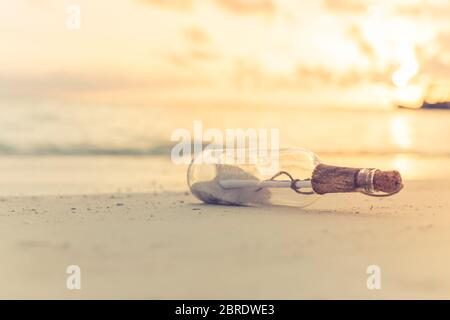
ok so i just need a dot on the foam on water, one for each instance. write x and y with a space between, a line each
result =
105 130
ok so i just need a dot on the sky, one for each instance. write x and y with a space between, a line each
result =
333 53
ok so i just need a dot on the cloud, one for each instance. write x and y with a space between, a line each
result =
76 85
444 40
310 74
438 64
199 49
192 57
239 7
318 75
248 7
346 6
438 69
364 46
180 5
428 10
196 36
250 74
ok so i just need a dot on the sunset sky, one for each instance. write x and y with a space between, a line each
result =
354 53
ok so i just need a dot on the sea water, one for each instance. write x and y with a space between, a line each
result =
134 142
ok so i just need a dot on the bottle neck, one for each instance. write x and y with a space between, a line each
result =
364 180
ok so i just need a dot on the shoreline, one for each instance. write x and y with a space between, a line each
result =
72 175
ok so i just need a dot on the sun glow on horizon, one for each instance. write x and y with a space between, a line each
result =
400 130
409 65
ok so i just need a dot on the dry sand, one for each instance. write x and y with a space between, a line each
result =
164 244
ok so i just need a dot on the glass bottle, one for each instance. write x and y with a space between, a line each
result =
293 176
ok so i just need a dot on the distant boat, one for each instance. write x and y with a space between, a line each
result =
440 105
444 105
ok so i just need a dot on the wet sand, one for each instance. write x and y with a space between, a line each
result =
165 244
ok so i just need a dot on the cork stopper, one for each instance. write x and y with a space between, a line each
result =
387 181
333 179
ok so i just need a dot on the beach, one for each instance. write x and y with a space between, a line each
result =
100 121
144 236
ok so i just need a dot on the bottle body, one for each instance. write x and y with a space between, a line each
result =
253 177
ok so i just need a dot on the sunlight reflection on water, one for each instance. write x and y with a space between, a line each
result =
400 129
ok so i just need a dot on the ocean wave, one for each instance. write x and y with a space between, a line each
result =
84 150
165 149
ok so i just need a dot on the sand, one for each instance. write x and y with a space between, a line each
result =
167 245
212 192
